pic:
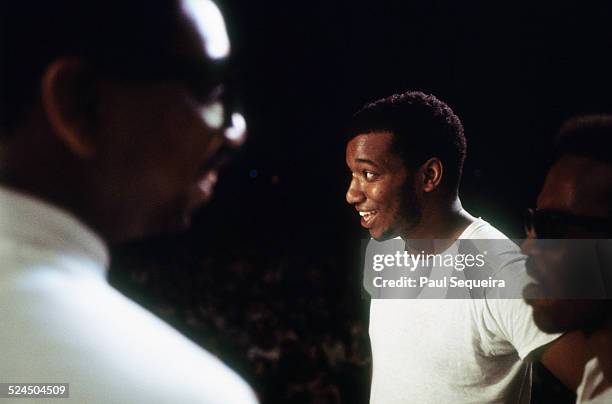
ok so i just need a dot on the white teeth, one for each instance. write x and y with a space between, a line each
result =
367 214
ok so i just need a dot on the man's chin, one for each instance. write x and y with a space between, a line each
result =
550 321
556 316
179 217
179 224
382 236
169 224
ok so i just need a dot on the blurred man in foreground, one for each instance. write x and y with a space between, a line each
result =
111 125
570 251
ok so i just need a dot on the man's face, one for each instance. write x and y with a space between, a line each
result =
154 167
576 192
381 189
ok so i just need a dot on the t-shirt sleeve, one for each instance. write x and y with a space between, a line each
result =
506 322
509 326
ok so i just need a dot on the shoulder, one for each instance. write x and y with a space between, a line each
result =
591 378
503 257
109 349
481 229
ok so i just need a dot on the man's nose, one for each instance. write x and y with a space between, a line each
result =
354 194
529 245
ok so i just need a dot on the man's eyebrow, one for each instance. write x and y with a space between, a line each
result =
367 162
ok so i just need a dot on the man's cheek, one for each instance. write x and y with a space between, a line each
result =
376 194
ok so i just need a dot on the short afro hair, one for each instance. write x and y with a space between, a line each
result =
422 126
586 136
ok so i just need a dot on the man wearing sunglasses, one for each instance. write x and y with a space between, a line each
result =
111 127
570 254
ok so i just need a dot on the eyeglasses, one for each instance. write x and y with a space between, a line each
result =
552 224
220 114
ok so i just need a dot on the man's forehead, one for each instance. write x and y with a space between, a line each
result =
578 185
376 145
209 26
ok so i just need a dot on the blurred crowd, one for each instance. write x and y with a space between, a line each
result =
290 326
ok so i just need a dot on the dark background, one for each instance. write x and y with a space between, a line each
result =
512 72
276 254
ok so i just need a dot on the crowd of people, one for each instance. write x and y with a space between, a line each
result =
287 325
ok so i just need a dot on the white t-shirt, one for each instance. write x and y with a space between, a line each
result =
61 322
455 350
592 377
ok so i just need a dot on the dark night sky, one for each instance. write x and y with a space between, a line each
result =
512 72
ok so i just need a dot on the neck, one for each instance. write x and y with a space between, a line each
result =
46 172
441 220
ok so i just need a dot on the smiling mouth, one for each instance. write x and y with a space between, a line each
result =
367 217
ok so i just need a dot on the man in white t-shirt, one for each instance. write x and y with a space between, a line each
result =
574 271
405 154
110 130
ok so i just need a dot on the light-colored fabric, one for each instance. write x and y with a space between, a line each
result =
455 350
62 322
592 377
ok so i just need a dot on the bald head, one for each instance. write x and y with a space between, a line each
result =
133 40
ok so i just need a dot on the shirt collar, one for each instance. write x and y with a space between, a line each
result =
29 220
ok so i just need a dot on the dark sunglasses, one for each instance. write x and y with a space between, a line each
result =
552 224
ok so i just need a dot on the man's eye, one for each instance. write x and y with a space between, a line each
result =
369 175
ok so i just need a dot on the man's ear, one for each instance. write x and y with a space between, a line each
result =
431 174
69 100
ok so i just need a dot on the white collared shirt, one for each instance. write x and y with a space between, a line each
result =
61 322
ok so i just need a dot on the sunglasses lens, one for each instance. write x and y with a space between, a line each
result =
547 225
543 224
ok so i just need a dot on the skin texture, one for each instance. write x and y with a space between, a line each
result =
380 183
126 158
578 186
410 204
